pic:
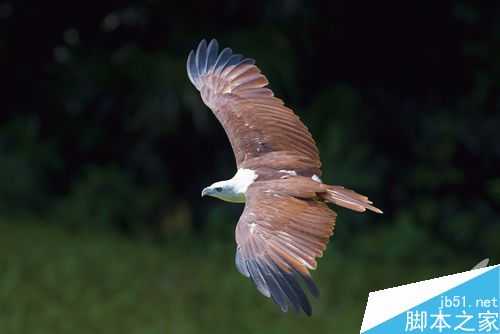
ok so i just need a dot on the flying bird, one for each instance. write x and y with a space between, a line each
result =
286 223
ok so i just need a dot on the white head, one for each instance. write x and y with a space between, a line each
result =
224 190
232 190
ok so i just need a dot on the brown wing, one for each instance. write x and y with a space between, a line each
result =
281 232
255 121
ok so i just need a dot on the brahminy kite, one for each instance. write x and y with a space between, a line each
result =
286 223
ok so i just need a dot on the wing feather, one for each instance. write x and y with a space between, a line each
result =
222 59
279 235
192 69
256 122
212 54
201 57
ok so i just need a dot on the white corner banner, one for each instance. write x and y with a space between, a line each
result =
467 302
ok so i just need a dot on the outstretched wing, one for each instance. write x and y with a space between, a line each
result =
281 232
255 121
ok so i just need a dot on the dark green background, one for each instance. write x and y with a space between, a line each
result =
105 146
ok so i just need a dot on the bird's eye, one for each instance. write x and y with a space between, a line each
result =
218 189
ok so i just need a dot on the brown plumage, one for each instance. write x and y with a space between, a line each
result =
255 121
286 223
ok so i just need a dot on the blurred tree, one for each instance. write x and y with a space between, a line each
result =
100 123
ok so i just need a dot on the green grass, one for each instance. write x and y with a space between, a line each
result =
54 281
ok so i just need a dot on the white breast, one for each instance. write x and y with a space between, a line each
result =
243 179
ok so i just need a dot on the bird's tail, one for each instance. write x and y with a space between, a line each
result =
348 198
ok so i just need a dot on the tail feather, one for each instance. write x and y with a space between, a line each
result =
348 198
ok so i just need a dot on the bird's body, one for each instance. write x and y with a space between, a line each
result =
286 223
234 189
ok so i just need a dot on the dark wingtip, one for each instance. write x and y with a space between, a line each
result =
285 290
212 53
207 57
311 286
201 56
298 296
190 67
197 60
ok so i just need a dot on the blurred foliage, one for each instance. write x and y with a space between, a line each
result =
54 281
108 197
101 129
26 166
